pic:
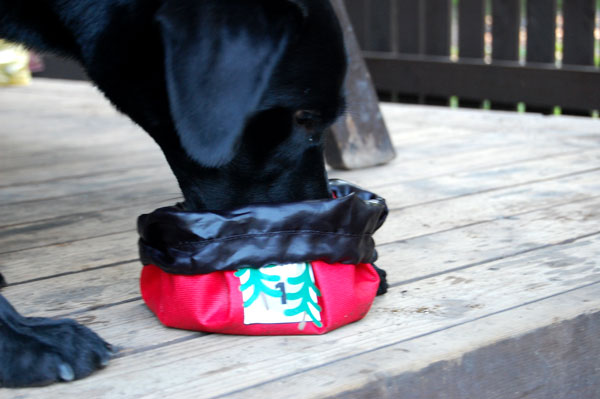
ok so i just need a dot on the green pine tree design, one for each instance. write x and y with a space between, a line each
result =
304 295
256 279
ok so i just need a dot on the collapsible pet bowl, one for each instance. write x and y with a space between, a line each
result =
266 269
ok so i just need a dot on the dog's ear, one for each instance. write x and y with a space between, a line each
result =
219 58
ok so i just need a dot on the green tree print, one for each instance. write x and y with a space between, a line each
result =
304 295
256 279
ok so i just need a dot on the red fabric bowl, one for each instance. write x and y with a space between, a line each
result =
264 269
213 302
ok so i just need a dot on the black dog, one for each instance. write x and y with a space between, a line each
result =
237 93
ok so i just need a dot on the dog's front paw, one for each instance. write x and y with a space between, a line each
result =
39 351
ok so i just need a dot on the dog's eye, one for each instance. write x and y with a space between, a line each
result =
307 119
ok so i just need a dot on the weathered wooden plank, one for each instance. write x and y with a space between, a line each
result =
417 258
454 132
65 151
507 123
404 224
439 216
52 108
72 227
401 317
447 163
56 163
403 194
52 144
118 196
488 245
434 161
82 171
426 160
408 193
56 87
84 184
32 152
426 155
77 292
72 257
550 353
412 259
132 327
99 112
448 307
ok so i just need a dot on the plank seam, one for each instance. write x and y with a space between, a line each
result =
97 307
143 349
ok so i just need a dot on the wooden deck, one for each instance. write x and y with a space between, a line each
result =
492 248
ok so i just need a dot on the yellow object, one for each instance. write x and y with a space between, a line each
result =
14 64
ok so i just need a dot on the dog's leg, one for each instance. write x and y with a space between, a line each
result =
38 351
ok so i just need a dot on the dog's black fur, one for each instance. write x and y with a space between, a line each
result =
237 93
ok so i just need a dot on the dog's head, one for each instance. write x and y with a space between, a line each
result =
252 87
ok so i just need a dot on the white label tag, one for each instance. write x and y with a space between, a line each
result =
280 294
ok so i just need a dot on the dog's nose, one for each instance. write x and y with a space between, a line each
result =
308 119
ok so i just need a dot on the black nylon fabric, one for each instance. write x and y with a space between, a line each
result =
336 230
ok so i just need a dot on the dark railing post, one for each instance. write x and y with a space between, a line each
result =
579 31
541 28
408 26
418 67
379 29
505 30
471 28
437 27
